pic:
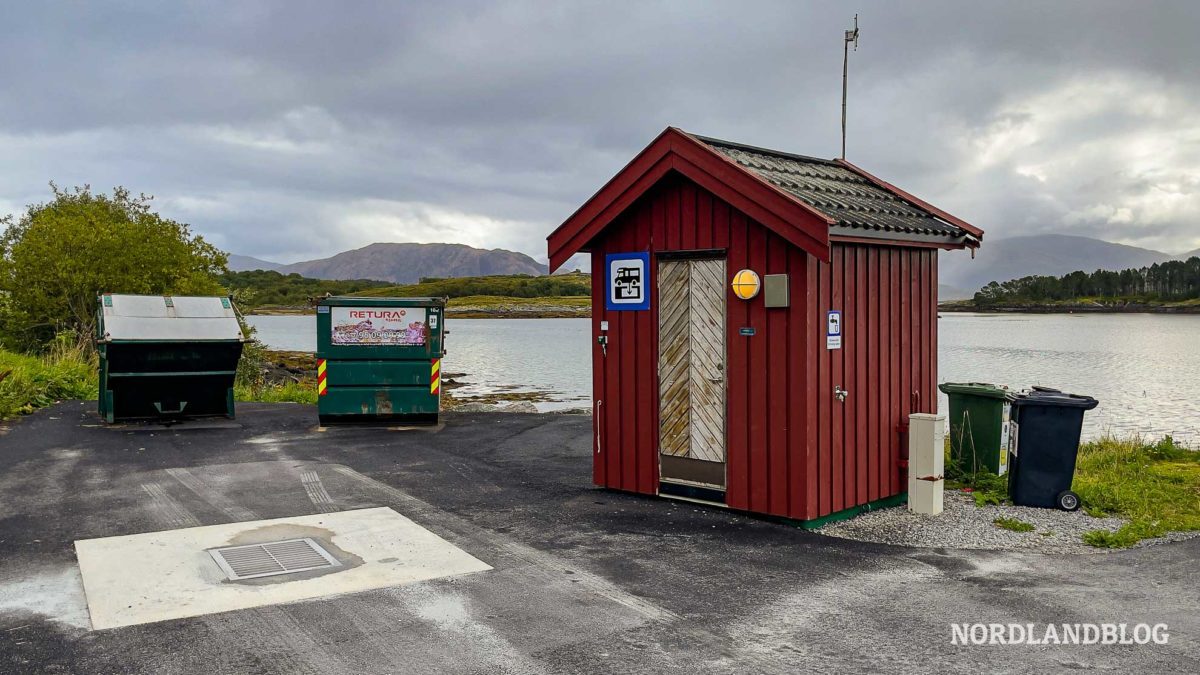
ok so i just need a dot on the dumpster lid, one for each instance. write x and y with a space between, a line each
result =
376 301
155 318
1046 396
975 389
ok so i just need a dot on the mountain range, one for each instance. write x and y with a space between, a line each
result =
1045 254
959 275
402 263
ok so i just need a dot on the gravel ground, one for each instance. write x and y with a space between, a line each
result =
964 525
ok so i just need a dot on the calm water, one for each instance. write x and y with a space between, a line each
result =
1144 368
549 356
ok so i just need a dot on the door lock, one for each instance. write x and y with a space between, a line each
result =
839 393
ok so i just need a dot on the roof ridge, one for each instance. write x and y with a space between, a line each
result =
766 151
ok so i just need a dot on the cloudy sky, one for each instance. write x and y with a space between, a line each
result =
291 130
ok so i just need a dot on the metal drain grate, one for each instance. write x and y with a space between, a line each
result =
279 557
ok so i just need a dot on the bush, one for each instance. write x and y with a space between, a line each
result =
986 487
60 255
67 371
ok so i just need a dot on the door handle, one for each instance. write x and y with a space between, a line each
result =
839 393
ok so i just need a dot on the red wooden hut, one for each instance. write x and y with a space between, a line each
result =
793 402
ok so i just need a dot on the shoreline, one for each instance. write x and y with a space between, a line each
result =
1071 309
459 312
284 367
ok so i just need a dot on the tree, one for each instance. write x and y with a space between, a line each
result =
60 255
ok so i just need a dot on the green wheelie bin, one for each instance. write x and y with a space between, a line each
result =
979 415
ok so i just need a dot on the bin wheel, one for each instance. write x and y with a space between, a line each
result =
1067 501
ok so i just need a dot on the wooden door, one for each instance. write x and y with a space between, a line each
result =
691 371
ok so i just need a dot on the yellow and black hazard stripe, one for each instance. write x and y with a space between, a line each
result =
321 384
435 377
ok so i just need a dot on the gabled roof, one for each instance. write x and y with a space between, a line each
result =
805 200
853 198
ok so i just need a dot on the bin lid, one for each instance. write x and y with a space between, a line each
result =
1046 396
373 301
158 318
974 389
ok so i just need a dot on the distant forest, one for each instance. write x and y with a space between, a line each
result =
507 285
260 288
1175 280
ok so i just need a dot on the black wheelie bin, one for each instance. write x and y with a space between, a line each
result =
1043 442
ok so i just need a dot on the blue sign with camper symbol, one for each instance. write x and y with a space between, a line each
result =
627 281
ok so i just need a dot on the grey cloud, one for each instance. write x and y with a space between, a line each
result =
287 130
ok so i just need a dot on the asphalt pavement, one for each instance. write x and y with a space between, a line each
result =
581 579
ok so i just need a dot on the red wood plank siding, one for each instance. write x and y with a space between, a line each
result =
824 389
779 411
737 421
755 381
888 299
792 449
799 397
599 381
812 340
627 327
871 385
837 300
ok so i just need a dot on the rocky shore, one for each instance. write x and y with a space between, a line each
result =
284 367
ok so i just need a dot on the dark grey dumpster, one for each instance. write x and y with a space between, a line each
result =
166 356
1043 443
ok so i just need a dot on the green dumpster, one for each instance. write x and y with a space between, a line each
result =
379 359
166 356
978 426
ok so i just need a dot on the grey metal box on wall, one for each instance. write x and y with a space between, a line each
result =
775 290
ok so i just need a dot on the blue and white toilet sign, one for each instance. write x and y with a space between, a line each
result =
833 329
627 281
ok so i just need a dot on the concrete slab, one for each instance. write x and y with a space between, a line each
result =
156 576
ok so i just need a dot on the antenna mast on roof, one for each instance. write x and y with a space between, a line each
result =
851 37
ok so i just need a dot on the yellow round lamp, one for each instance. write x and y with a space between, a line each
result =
746 284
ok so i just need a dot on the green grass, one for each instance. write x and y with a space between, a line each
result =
1154 485
30 382
1013 525
291 392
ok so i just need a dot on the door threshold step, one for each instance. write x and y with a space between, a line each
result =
691 492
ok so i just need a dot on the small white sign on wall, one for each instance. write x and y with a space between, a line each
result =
833 329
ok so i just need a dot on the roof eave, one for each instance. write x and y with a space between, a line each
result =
900 238
975 233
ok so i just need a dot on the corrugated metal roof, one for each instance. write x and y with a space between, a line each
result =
856 203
